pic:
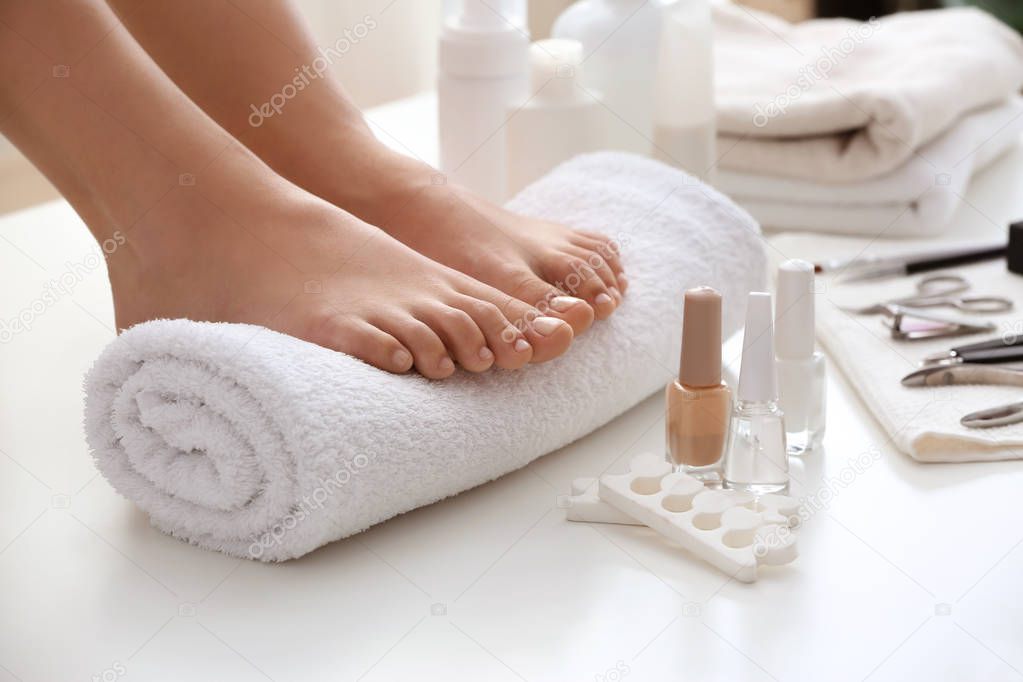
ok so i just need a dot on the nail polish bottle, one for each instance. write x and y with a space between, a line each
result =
801 369
699 403
756 460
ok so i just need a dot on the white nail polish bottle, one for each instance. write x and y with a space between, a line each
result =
483 72
756 460
801 369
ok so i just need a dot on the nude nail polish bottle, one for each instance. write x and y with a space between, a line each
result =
757 460
801 370
699 403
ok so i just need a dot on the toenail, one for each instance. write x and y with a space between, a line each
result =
563 303
486 354
622 281
402 359
603 299
522 345
446 365
547 325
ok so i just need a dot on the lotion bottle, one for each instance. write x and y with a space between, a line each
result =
559 121
699 403
756 460
801 368
620 49
684 117
483 74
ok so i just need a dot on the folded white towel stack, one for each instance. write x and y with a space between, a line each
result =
834 100
243 440
862 128
917 199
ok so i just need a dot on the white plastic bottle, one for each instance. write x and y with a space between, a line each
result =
620 49
685 127
483 74
801 368
559 121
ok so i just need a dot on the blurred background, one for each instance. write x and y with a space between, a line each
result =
398 58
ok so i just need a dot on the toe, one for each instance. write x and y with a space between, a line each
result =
603 270
577 278
429 354
461 335
509 345
604 247
549 336
360 339
550 301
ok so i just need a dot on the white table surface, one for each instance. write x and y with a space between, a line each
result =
912 571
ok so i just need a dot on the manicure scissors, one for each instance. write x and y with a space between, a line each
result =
943 291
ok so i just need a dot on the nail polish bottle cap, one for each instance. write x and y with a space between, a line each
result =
794 314
758 379
700 365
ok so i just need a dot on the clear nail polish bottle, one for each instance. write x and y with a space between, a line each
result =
757 460
801 368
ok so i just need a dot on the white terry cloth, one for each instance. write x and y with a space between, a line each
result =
923 422
834 100
259 445
917 199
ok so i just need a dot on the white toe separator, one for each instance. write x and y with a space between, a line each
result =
734 531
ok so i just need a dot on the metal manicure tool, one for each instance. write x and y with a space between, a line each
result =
998 350
909 319
955 375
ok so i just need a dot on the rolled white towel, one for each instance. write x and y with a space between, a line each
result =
243 440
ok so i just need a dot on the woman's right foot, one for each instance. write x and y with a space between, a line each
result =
269 253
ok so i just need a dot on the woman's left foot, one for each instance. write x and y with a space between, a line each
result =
544 264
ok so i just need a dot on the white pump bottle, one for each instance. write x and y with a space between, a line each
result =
620 41
559 121
483 76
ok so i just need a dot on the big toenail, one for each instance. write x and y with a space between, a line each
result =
446 365
603 299
402 359
547 325
522 345
563 303
486 354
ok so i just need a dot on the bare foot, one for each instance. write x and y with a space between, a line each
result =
536 261
250 247
542 263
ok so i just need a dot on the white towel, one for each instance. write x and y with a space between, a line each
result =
923 422
834 100
916 200
243 440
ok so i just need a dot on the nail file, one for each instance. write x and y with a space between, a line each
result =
734 531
